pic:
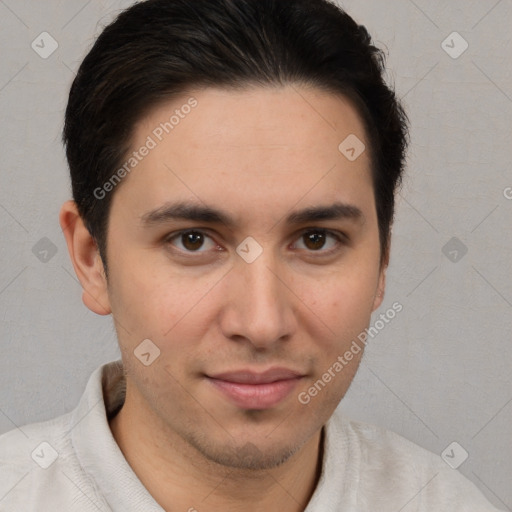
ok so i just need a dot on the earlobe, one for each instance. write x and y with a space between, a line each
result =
85 258
381 285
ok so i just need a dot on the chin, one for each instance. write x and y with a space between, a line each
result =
248 455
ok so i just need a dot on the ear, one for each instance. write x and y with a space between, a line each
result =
381 284
86 259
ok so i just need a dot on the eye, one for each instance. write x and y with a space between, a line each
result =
192 241
317 239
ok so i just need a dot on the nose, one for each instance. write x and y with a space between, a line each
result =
260 308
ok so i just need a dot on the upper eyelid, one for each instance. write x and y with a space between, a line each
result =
177 234
340 237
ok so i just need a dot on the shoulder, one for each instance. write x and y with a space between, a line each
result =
391 464
34 444
39 466
31 457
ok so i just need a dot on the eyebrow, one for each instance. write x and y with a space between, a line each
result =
200 213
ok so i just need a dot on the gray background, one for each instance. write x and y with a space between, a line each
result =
440 371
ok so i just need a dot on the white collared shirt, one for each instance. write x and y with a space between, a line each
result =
73 464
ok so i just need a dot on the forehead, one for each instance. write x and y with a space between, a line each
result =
266 144
309 115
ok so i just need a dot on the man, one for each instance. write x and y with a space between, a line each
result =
233 165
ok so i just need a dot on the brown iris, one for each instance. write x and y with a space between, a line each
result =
192 240
314 240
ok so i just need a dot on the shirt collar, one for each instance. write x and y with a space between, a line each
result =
96 448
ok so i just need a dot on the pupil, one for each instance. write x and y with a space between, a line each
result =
315 240
192 240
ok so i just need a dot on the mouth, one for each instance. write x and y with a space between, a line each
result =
251 390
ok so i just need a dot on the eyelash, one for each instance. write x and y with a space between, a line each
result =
341 240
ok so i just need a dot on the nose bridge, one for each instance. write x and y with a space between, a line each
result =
262 282
261 309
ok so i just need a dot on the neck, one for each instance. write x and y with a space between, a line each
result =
180 478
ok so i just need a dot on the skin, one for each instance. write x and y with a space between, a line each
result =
258 155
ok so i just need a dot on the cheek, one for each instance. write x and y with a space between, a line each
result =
343 300
166 306
344 310
140 305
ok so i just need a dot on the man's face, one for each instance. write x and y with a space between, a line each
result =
266 160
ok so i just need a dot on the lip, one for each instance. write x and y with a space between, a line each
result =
251 377
251 390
